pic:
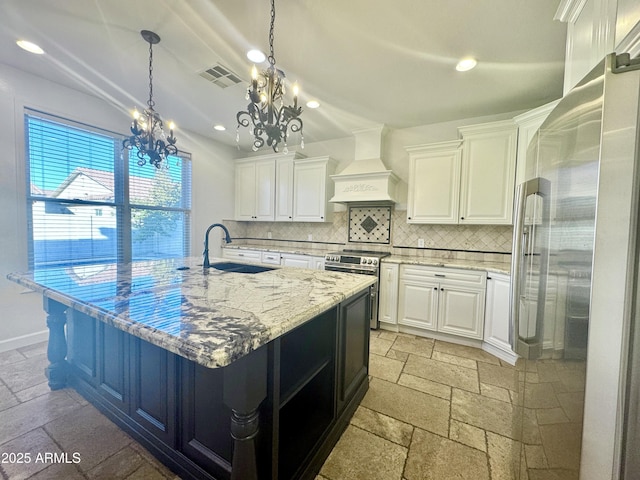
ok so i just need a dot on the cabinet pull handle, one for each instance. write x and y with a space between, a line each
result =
441 275
435 288
488 278
241 254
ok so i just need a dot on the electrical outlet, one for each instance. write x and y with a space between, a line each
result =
421 243
269 235
310 237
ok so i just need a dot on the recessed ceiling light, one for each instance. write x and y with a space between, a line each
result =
30 47
466 64
220 128
256 56
313 104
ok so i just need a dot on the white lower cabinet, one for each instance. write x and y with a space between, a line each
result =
497 313
388 295
254 256
274 258
441 299
271 258
293 260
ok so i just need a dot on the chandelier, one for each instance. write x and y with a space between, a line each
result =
148 137
267 116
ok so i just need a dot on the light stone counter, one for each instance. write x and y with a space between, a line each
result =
211 317
490 267
296 250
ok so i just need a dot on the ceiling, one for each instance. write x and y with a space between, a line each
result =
366 61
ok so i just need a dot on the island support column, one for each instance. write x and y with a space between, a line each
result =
245 387
57 347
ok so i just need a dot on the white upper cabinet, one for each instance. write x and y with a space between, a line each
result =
434 182
596 28
312 189
488 173
255 190
528 125
469 181
284 189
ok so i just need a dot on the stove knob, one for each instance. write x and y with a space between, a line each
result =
369 261
375 261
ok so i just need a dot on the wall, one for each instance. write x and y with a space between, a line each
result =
23 321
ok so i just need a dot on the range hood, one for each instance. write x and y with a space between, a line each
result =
366 179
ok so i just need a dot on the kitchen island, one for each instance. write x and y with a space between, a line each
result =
220 374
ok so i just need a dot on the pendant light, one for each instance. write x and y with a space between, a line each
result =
148 136
266 115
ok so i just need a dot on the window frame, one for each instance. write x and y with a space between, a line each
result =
121 202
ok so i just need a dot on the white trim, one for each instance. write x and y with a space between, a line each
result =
24 340
509 357
569 10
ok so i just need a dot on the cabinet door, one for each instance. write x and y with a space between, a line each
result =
461 311
488 173
418 303
434 183
245 191
497 312
353 347
252 256
284 190
153 389
388 297
309 191
299 261
265 190
317 263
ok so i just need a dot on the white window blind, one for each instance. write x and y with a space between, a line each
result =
89 201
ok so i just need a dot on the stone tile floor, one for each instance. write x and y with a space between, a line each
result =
434 410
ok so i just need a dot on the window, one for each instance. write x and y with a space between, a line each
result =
89 201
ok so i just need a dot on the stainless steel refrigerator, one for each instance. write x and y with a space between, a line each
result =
574 283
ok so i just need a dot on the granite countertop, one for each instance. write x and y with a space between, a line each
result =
297 250
490 267
212 318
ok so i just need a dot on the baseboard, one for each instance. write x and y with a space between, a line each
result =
24 340
508 357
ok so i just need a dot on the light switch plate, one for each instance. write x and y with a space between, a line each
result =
421 243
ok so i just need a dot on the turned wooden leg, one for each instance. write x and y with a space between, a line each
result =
56 372
245 386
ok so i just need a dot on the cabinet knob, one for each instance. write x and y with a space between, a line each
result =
461 218
435 288
409 218
442 289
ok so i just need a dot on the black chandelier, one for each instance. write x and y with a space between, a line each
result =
148 137
266 113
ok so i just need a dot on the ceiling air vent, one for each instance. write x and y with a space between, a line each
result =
221 76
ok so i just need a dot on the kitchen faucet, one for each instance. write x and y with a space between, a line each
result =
205 254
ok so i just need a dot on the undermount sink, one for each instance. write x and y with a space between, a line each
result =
239 267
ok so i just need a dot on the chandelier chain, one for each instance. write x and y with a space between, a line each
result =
272 58
151 103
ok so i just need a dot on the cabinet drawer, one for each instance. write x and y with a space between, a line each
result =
246 255
271 258
443 275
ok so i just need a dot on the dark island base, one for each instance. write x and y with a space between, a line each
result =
273 414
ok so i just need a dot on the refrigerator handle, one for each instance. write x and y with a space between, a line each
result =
516 263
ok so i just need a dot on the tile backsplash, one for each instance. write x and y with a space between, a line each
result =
439 240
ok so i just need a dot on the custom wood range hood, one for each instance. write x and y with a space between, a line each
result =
366 179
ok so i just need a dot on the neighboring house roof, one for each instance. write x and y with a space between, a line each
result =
139 187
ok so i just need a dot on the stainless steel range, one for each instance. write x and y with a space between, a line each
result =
361 262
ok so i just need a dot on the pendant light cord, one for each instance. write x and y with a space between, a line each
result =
151 103
272 58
